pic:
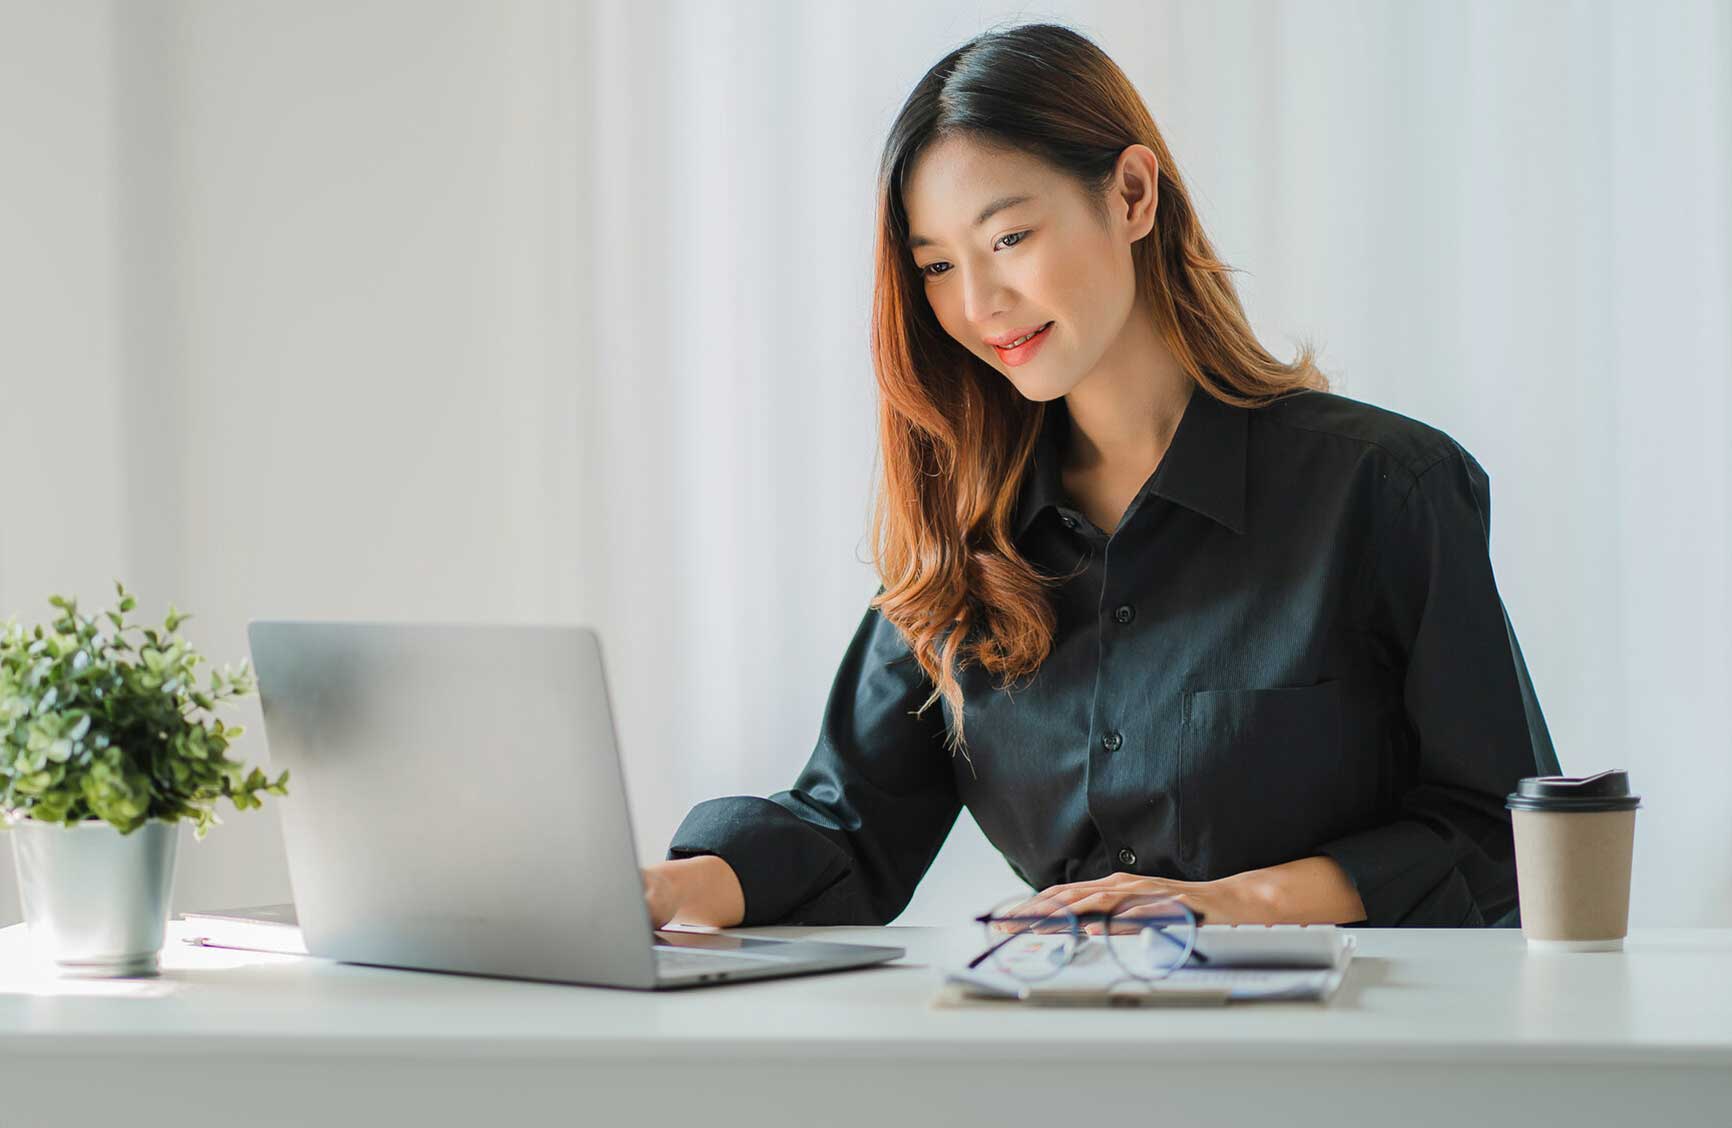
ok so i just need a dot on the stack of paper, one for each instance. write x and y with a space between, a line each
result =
1230 962
260 928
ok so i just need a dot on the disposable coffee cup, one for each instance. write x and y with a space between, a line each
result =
1574 839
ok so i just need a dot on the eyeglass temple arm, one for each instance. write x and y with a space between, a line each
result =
975 962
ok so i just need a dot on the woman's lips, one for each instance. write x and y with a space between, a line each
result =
1024 352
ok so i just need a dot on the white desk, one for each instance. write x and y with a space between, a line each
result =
1430 1027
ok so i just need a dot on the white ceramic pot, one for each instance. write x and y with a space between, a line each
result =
96 900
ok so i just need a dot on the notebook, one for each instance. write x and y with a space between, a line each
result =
1230 963
260 928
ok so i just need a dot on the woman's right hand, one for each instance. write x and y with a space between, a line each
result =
697 890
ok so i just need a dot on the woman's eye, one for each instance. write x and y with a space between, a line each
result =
927 271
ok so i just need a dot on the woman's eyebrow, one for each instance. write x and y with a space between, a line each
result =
986 213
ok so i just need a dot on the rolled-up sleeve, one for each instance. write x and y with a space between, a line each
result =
848 843
1474 725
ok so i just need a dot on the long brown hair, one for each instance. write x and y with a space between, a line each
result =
955 437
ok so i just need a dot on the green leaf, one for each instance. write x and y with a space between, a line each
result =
94 726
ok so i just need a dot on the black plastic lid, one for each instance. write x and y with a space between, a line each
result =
1602 791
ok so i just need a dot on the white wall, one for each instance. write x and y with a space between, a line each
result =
326 259
62 401
529 311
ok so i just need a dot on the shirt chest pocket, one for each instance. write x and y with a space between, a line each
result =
1260 774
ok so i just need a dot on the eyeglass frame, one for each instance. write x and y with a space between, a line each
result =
1197 918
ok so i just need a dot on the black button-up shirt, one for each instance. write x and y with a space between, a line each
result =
1291 645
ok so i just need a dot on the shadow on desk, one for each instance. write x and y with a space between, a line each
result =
1362 972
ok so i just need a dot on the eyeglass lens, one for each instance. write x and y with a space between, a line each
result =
1150 936
1029 946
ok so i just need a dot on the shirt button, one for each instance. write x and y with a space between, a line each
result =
1069 521
1125 614
1111 741
1127 857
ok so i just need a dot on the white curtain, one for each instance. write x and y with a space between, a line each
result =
540 311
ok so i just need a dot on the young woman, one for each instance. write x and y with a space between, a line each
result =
1194 625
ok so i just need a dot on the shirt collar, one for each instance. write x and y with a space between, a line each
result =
1203 469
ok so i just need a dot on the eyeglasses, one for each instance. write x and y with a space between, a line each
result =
1149 936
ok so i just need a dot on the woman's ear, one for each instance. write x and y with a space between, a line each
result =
1135 191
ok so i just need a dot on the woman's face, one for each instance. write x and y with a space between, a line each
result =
1048 259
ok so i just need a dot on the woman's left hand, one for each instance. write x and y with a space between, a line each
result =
1230 900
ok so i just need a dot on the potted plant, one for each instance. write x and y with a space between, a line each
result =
107 741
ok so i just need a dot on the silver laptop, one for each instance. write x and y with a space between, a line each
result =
456 803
